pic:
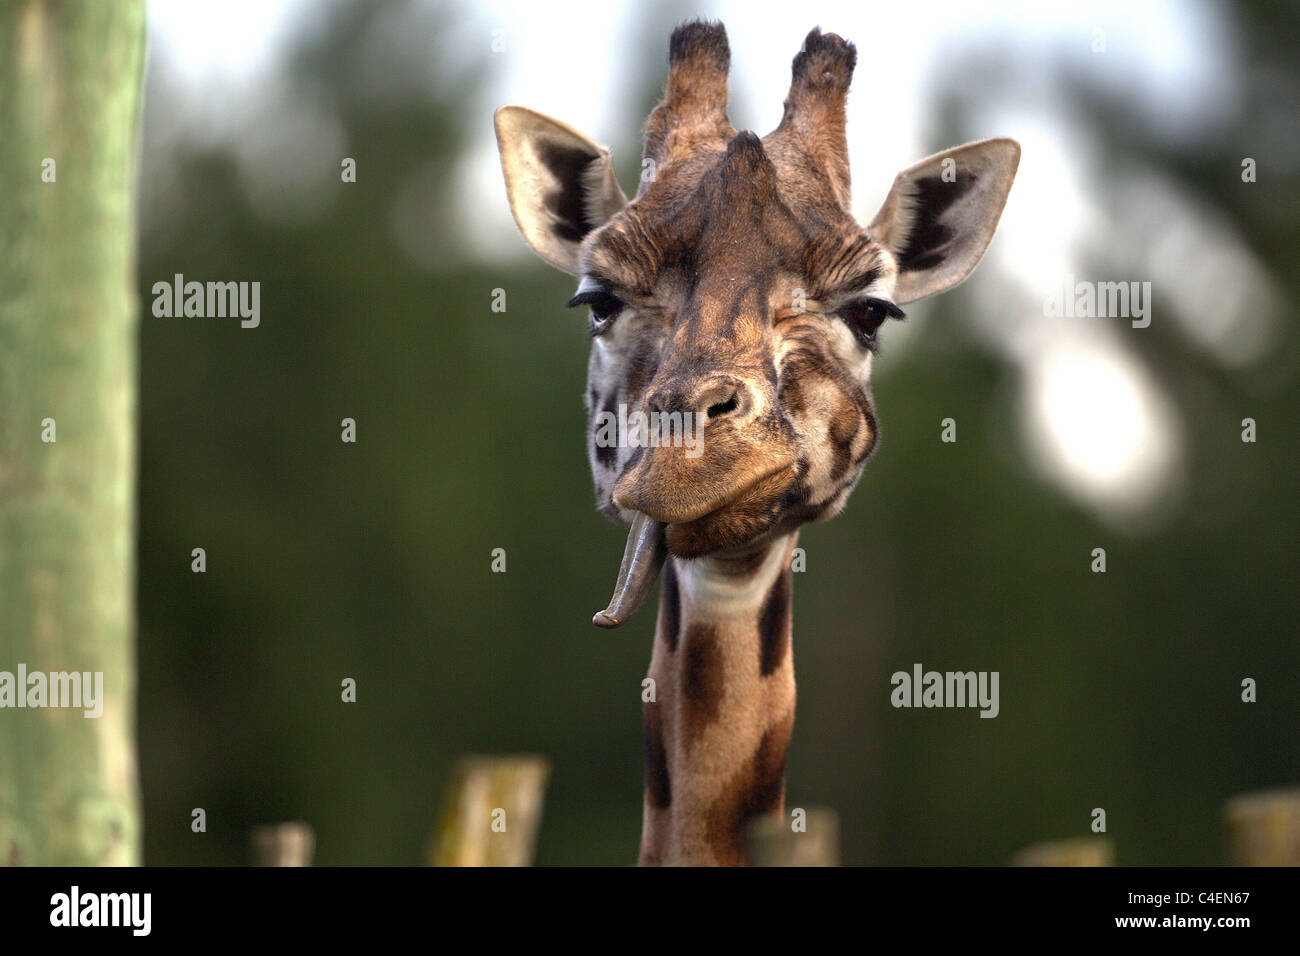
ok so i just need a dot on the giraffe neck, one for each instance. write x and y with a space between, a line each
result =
719 727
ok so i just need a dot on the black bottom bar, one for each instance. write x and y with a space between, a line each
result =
331 905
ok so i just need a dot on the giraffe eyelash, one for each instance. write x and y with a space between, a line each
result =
865 316
605 305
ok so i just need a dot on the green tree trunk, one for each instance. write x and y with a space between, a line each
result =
70 84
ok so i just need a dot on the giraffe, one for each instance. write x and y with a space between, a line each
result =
736 289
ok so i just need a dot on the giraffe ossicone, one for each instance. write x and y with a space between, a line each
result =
737 289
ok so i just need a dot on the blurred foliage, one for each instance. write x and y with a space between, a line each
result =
329 560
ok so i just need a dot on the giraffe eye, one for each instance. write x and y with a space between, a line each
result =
865 316
605 305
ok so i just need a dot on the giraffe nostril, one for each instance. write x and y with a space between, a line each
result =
721 409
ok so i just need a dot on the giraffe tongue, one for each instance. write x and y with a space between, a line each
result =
642 558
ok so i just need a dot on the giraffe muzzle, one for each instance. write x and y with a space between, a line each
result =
643 556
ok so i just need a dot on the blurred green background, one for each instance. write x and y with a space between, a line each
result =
328 560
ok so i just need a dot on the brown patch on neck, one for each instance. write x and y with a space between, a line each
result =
703 680
658 784
757 789
670 605
774 623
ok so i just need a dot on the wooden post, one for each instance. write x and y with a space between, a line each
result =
69 116
1081 851
775 841
1264 828
491 812
283 844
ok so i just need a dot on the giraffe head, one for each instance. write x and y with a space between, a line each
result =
735 303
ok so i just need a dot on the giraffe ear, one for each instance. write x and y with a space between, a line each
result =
940 215
561 185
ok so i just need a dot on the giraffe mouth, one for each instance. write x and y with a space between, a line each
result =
643 556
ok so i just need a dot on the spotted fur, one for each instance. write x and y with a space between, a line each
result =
729 286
